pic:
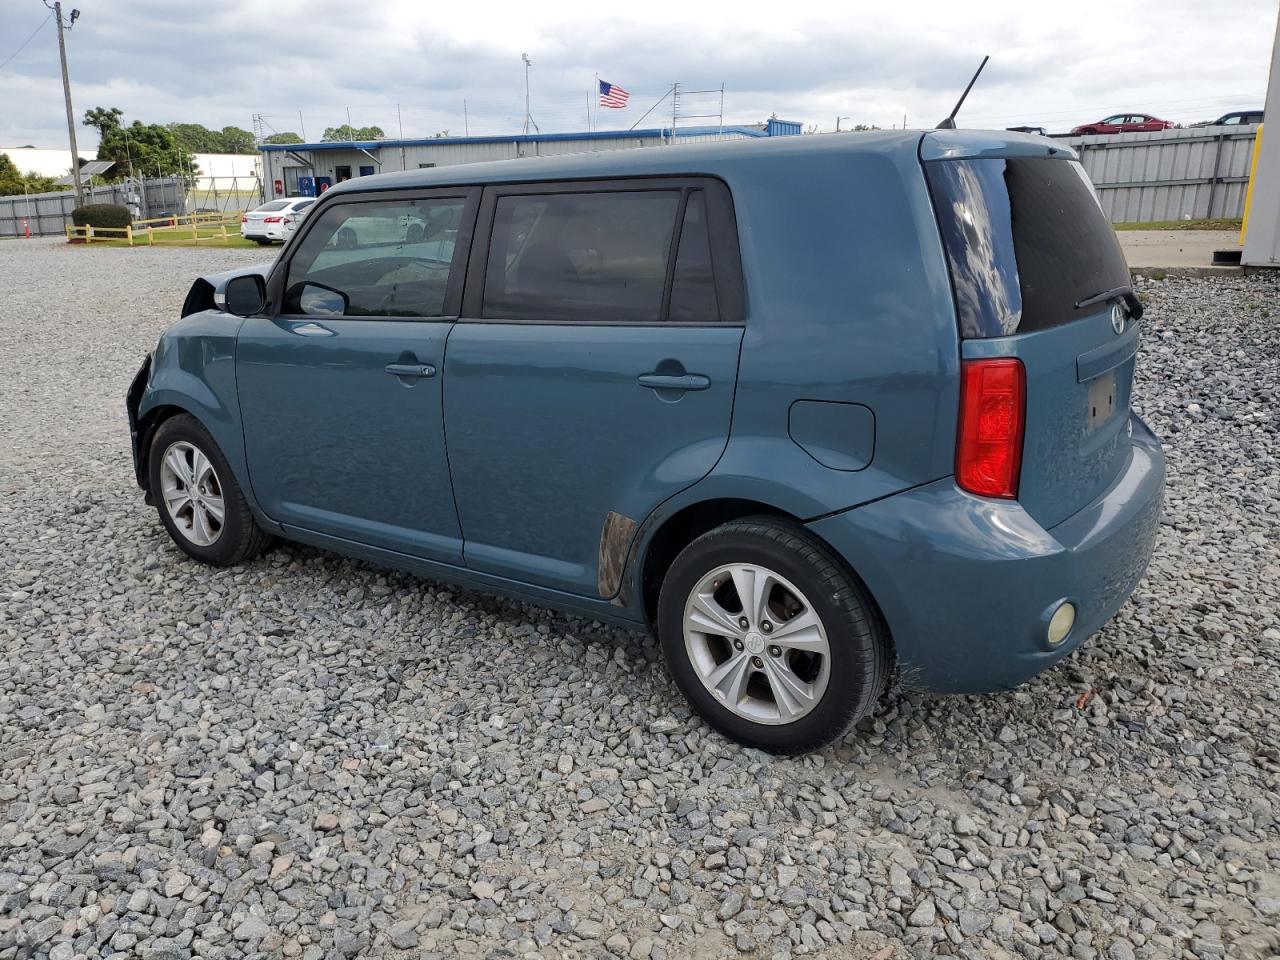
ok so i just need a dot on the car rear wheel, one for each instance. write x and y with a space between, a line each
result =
771 640
197 497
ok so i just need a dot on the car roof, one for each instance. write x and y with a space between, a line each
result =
714 158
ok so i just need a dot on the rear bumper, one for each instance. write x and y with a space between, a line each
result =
967 584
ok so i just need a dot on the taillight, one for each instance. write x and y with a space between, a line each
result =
270 219
244 219
993 402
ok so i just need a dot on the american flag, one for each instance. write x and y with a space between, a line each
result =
612 95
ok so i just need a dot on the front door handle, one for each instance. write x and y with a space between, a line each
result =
665 381
413 370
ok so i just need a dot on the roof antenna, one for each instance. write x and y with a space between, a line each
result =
950 122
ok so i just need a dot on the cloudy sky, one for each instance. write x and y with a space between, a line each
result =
221 62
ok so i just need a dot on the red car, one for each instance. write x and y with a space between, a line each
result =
1125 123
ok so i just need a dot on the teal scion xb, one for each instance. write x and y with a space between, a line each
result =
817 411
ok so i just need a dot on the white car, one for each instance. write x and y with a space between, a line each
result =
293 221
272 220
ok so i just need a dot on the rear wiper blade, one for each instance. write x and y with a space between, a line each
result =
1124 293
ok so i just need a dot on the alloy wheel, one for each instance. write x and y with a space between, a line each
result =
756 643
192 493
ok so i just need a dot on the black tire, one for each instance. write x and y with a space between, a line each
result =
860 651
261 242
239 537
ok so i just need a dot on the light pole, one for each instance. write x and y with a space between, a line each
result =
838 119
66 93
528 112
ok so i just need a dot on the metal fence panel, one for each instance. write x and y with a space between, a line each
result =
1169 174
48 214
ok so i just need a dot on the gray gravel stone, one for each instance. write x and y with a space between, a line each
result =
310 757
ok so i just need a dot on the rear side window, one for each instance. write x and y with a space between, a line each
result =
693 287
1026 241
376 259
621 256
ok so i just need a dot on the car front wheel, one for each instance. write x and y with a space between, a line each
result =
199 501
771 640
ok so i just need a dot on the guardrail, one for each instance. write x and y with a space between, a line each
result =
202 226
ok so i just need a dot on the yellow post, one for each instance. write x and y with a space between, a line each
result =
151 236
224 234
195 234
128 233
1248 191
88 233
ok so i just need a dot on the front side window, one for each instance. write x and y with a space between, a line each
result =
386 258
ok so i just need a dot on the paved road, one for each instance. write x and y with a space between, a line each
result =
1175 248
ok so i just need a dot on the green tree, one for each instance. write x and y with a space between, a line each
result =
196 138
13 181
287 137
236 140
140 149
347 132
104 118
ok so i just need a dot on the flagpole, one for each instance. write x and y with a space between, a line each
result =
595 97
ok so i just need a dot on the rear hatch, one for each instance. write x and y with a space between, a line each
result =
1038 274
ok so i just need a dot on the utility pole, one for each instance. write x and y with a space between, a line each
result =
528 112
66 93
838 119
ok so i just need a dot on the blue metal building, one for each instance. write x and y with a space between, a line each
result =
309 168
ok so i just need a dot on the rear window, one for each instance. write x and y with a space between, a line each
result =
1026 241
273 206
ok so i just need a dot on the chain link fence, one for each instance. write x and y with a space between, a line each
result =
49 214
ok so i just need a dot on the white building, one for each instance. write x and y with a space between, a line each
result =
216 169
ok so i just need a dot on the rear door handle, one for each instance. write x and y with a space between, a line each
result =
683 381
411 370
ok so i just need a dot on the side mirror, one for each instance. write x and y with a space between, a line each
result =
317 300
245 296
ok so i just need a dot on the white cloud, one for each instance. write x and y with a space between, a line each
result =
1052 64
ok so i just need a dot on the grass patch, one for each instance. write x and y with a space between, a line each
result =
1216 223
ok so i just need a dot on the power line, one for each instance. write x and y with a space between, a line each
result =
24 43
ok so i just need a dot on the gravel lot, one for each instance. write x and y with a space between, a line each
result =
309 757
